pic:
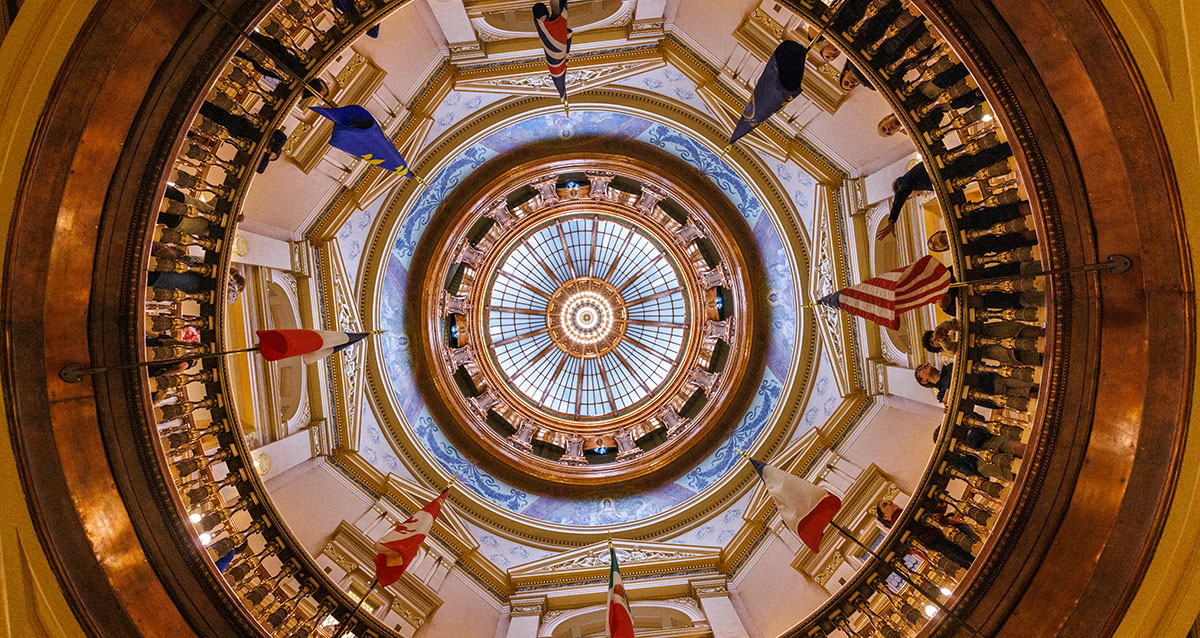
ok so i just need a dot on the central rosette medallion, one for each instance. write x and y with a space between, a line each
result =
586 317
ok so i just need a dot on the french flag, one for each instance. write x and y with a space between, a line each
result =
804 507
311 345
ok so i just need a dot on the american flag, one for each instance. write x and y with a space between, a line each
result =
884 298
552 28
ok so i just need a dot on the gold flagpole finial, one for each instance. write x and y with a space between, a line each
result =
728 147
453 481
377 332
744 455
420 180
566 107
610 543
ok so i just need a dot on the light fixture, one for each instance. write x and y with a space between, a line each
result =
587 317
931 610
946 592
205 539
195 518
987 117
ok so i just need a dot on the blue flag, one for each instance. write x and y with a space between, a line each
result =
758 466
780 81
223 562
357 133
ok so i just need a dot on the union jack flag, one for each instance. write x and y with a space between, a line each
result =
552 28
884 298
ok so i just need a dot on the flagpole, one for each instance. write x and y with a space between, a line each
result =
1115 264
75 372
346 625
899 571
824 26
278 63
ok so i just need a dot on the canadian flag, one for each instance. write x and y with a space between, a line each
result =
620 620
397 548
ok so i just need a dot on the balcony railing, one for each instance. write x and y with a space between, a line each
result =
189 280
962 502
939 545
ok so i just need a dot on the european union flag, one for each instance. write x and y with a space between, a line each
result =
780 81
357 133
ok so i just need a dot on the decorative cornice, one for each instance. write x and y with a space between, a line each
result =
709 588
527 606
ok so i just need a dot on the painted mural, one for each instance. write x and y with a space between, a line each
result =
546 129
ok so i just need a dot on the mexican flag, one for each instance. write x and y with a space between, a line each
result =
398 547
620 619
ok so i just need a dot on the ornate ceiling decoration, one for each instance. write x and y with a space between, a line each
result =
523 128
589 318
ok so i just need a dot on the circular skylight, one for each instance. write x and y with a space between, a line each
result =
587 316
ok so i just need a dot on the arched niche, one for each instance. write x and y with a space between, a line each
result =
283 311
589 621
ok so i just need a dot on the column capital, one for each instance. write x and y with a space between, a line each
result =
527 606
709 587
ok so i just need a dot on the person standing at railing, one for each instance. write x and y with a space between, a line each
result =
890 125
931 537
914 180
236 125
851 78
989 382
945 338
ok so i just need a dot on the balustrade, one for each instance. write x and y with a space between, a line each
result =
187 280
952 517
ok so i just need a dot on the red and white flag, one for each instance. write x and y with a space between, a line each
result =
619 623
884 298
311 345
398 547
805 508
